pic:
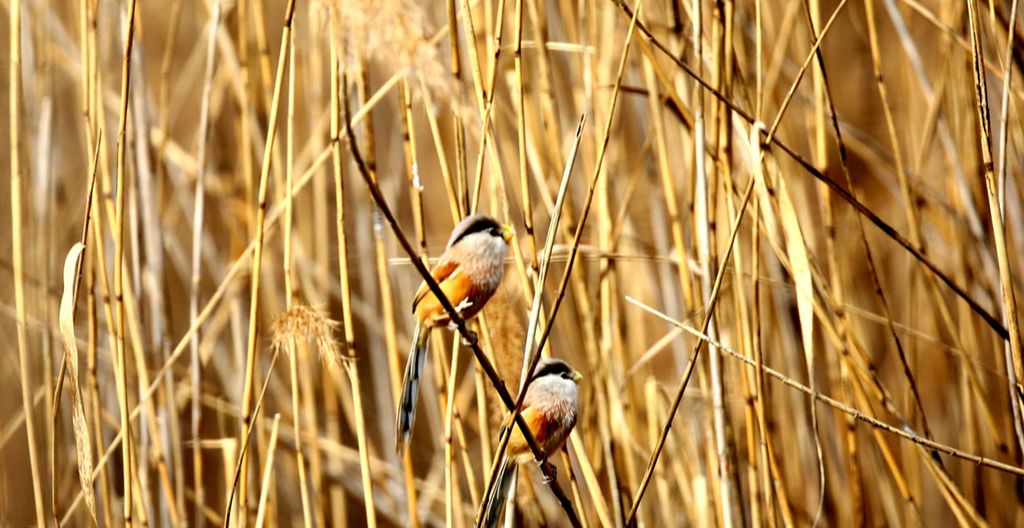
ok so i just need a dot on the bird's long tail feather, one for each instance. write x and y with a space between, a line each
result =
410 388
495 501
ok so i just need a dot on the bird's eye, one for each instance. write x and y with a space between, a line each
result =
494 231
567 375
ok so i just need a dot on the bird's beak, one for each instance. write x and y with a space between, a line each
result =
507 232
576 377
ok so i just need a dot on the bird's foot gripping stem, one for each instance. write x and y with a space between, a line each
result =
550 471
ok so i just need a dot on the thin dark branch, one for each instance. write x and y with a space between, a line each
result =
468 337
862 209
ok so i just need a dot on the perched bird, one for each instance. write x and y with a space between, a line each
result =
549 409
468 272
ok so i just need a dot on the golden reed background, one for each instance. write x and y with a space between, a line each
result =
911 111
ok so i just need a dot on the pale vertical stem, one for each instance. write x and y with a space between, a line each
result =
289 174
91 391
197 235
758 59
995 212
268 468
486 108
332 407
452 186
820 156
338 91
412 165
460 203
662 482
245 122
105 295
912 214
668 187
608 383
257 265
770 480
1000 185
703 211
1005 106
386 295
307 400
449 442
300 462
120 356
307 364
17 255
549 121
524 178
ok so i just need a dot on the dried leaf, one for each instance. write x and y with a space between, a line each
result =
801 269
83 447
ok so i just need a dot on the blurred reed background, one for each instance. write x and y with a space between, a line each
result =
851 246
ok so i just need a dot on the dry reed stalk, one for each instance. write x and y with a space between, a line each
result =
295 344
525 70
257 262
268 467
197 226
524 179
293 352
693 355
995 210
120 359
861 209
485 101
459 323
911 207
451 183
17 251
1001 188
447 403
844 408
336 92
383 278
232 506
532 353
950 493
234 271
911 200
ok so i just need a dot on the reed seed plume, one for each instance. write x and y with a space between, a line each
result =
395 34
304 322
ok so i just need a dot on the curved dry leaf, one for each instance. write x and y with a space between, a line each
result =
83 447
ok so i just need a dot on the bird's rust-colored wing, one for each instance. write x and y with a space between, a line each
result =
543 430
440 272
460 290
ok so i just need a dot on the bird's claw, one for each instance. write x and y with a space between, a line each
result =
549 470
472 337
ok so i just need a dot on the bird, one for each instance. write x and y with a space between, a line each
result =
549 409
468 272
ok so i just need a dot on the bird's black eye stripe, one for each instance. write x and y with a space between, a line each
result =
480 224
555 367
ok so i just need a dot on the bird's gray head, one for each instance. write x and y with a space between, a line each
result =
556 367
480 224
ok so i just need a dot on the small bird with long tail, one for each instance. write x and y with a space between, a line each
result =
549 409
468 272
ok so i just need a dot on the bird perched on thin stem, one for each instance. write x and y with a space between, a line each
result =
468 272
549 410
